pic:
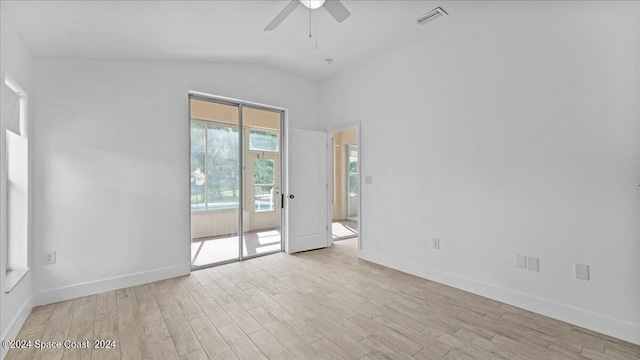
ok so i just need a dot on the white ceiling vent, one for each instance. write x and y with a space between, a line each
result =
431 15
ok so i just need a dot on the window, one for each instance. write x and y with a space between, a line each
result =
264 182
198 177
352 160
263 140
16 173
214 166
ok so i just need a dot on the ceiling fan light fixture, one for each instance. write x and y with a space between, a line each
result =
312 4
333 7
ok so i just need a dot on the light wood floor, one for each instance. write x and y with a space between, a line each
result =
313 305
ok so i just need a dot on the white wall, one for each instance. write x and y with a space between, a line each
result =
18 63
111 174
516 130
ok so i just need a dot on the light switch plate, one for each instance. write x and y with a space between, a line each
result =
368 179
533 263
521 261
582 272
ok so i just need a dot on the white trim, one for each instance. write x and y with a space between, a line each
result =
16 323
609 326
114 283
329 187
14 86
12 278
284 231
23 103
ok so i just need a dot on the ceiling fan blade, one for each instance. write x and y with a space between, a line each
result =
283 15
337 10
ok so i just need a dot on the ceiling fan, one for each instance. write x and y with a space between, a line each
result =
334 7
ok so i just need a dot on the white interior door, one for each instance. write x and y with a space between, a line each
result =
307 197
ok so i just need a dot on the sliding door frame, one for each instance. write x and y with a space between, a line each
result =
281 170
241 104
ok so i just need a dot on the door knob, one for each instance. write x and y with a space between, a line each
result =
291 196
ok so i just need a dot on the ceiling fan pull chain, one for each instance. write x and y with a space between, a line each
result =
309 23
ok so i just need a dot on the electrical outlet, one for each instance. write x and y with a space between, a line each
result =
50 258
436 243
533 263
521 261
368 179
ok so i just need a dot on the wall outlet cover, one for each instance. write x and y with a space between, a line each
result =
582 272
533 263
50 258
436 243
521 261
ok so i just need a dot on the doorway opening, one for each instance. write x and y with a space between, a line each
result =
346 185
236 180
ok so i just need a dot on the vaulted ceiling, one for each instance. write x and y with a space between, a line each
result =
225 31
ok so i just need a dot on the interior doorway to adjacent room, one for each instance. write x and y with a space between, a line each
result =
345 184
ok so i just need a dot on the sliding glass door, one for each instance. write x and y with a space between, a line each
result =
262 231
235 181
215 182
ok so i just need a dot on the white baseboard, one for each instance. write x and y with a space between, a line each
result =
16 324
99 286
609 326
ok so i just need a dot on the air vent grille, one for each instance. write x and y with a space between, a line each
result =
431 15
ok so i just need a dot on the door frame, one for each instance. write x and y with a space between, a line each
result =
331 130
284 115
